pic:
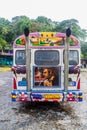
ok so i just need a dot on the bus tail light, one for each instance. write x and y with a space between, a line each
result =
14 84
78 87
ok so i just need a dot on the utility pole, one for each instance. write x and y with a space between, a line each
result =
28 58
66 59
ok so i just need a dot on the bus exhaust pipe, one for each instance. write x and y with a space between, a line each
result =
66 64
28 59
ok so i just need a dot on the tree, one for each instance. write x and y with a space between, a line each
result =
75 28
19 23
84 49
3 44
44 23
34 27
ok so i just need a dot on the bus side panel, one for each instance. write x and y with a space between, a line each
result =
21 81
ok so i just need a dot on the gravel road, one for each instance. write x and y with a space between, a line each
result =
41 116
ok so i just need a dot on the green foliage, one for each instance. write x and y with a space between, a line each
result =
44 23
3 44
11 30
84 49
19 23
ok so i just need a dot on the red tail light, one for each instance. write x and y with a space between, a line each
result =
78 87
14 84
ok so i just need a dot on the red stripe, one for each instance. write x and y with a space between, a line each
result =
36 100
55 100
45 100
14 84
78 87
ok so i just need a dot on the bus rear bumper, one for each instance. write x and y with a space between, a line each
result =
25 96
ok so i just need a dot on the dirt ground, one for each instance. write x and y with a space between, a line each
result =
41 116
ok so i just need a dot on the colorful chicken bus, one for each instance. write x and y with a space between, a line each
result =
44 80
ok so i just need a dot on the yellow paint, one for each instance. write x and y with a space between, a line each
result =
14 96
52 96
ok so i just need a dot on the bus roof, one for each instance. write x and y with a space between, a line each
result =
46 39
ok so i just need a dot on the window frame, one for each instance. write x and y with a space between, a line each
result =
45 63
72 61
23 62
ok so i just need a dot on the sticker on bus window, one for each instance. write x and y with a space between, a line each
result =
22 83
46 76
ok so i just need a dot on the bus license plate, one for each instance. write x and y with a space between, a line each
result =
52 96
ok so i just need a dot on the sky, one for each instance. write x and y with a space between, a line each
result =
56 10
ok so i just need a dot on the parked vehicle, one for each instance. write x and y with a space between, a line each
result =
39 71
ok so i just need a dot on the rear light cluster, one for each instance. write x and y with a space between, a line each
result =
74 70
19 69
20 96
73 96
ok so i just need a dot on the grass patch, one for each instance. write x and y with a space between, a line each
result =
5 69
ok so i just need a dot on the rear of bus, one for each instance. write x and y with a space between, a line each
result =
46 69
